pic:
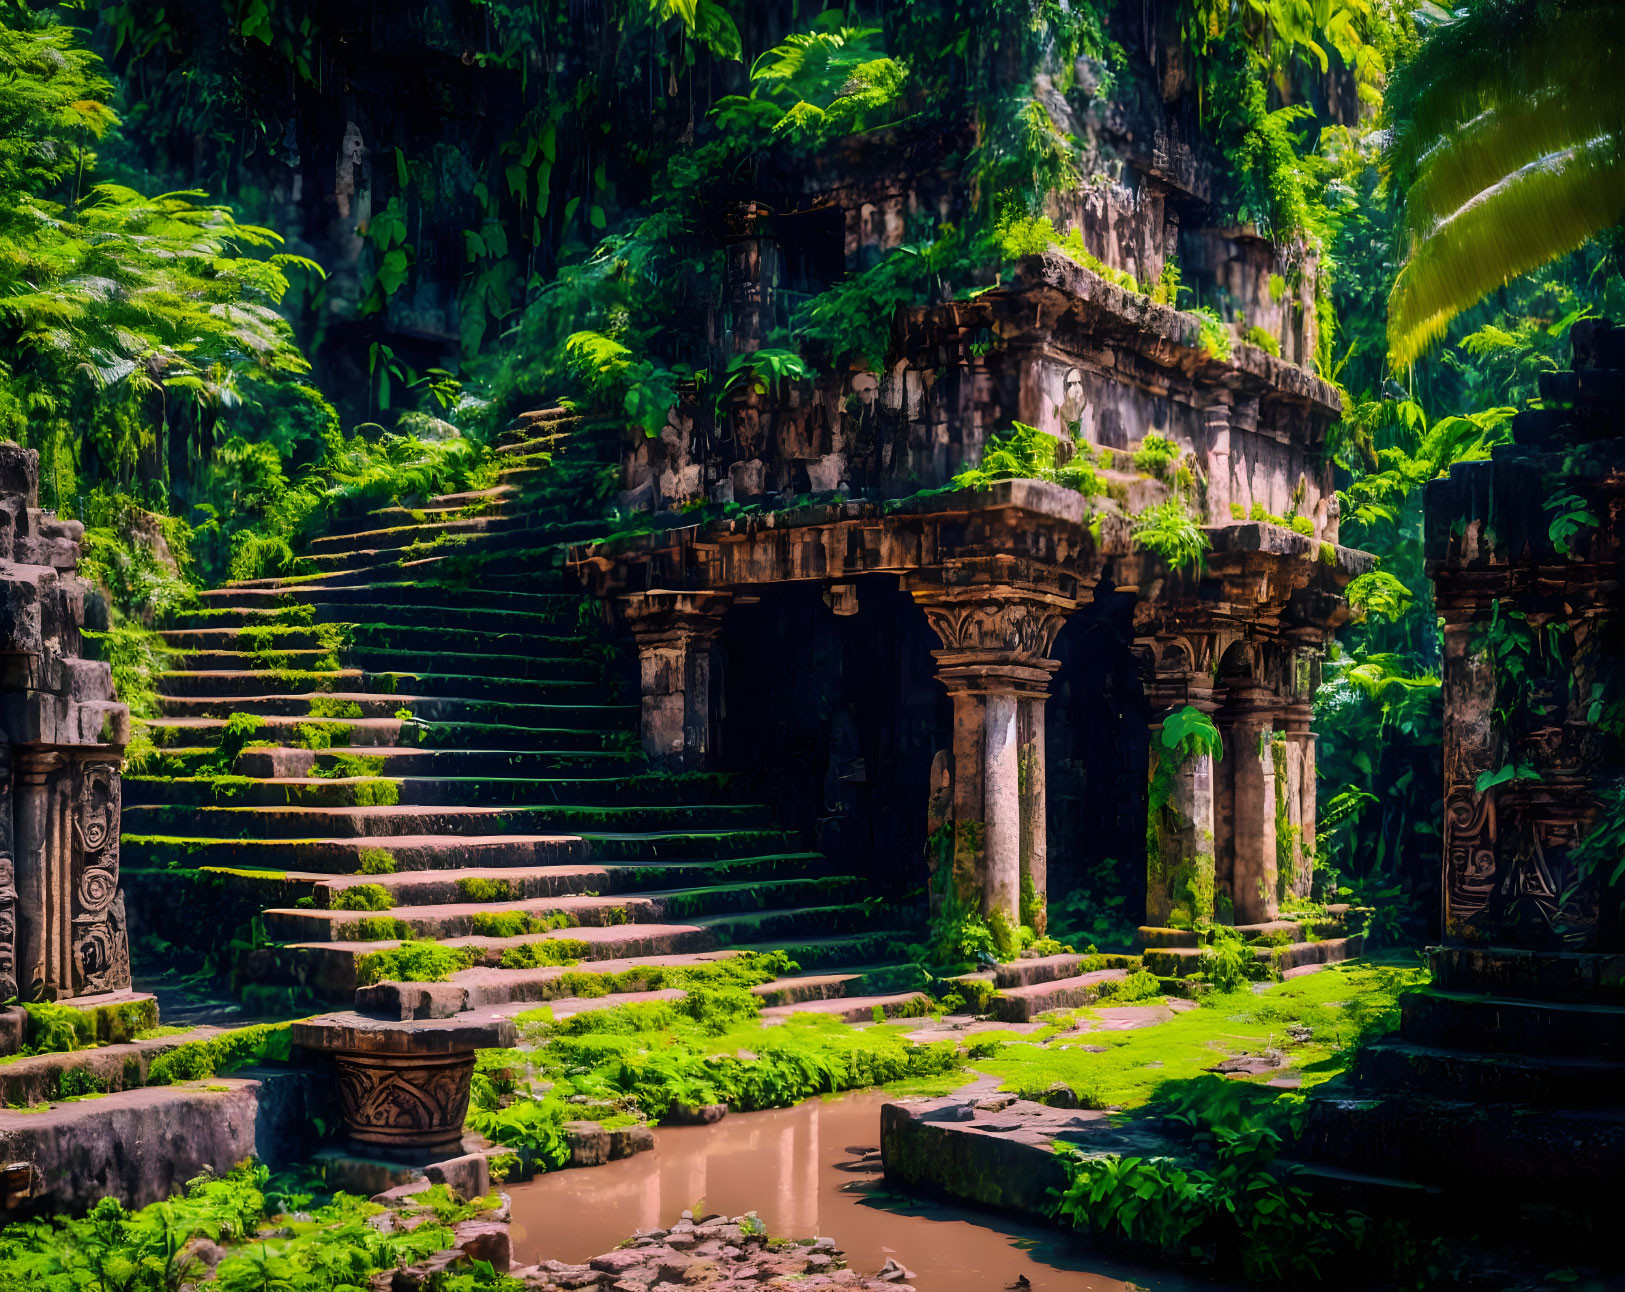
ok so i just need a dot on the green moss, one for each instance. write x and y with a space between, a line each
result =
376 861
378 928
363 897
512 924
222 1054
538 955
325 706
415 962
1264 340
475 888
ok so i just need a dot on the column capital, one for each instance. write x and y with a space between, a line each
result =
997 625
35 764
660 614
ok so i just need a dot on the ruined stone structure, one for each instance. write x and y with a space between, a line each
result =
1501 1092
62 930
842 483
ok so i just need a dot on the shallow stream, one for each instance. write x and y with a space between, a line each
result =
812 1170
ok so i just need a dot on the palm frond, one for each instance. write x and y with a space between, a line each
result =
1549 206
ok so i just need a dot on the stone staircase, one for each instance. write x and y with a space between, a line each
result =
442 749
1288 946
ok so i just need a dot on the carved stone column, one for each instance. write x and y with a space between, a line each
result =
1180 817
42 879
1300 804
1247 723
8 883
1220 491
100 959
993 663
676 634
1473 744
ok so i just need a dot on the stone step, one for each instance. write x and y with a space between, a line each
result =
405 760
271 823
521 883
1512 1025
388 537
487 685
102 1069
805 989
1039 969
386 640
403 594
479 617
440 507
1023 1004
346 705
1282 932
496 987
333 970
462 919
1568 1081
348 856
1181 962
1554 1153
65 1158
755 928
632 789
856 1009
1581 977
368 733
840 951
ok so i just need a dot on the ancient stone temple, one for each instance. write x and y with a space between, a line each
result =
987 668
62 736
1499 1099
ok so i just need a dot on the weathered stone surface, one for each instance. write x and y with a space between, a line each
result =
411 1000
999 1157
718 1255
59 770
139 1146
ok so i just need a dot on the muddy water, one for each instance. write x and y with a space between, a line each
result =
808 1172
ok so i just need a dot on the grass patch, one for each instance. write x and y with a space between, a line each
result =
1326 1012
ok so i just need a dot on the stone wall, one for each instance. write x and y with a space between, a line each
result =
62 732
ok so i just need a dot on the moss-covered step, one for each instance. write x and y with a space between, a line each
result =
522 883
767 926
333 970
868 947
856 1009
421 640
388 819
1021 1004
643 789
349 705
231 683
798 989
321 733
353 856
122 1065
475 616
1039 969
436 663
396 595
685 845
271 761
1562 1080
413 530
365 917
488 986
1181 962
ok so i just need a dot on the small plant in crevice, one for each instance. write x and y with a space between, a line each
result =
1169 530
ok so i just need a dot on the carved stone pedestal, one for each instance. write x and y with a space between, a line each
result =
403 1087
676 634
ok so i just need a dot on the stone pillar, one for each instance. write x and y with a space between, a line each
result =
994 666
1473 744
1247 723
1180 817
1034 821
8 883
1300 809
100 952
41 886
679 682
1220 491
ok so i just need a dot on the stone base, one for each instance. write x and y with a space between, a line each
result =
996 1150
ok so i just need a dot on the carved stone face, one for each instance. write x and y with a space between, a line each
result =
1072 400
866 387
